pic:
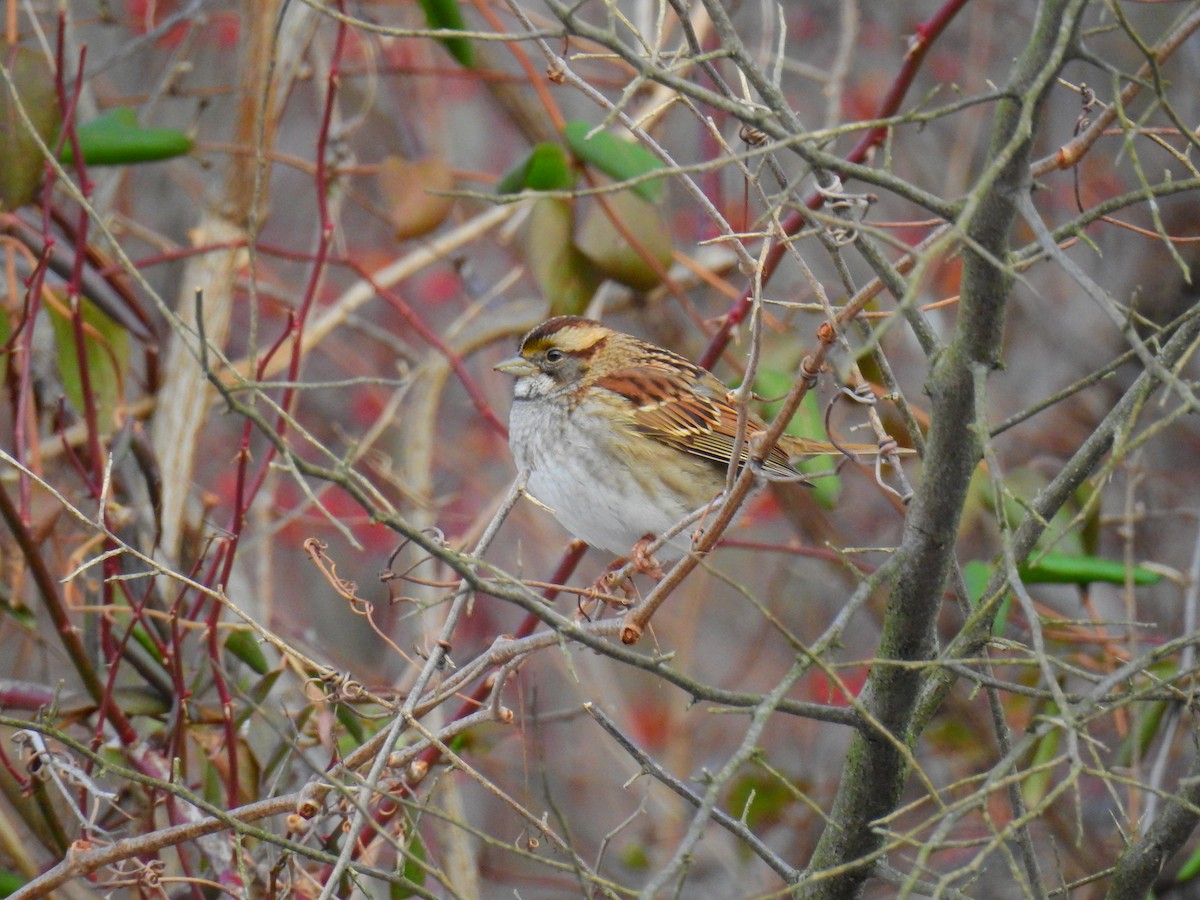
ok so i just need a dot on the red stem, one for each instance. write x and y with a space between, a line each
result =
67 632
247 491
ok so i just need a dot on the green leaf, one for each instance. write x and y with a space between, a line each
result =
612 249
146 642
261 689
1149 722
351 723
759 799
22 615
1190 869
414 869
116 139
446 14
140 700
257 694
806 423
977 574
616 158
545 168
1090 532
244 646
634 857
21 163
1064 568
132 700
106 349
1034 787
566 277
1020 486
11 882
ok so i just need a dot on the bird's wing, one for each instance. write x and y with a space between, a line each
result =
692 414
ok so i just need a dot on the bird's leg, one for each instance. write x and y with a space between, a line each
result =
643 561
613 579
616 576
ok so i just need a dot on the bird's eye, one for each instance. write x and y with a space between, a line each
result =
554 355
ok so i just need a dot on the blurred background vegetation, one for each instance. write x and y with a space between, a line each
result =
258 261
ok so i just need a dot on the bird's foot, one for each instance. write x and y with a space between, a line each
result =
643 561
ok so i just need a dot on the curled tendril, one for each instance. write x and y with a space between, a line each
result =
332 685
887 446
135 873
389 574
346 589
852 207
1088 102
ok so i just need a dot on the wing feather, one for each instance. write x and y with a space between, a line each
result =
689 411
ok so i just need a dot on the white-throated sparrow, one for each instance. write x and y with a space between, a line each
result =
622 439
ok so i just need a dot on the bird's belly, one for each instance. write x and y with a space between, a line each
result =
605 499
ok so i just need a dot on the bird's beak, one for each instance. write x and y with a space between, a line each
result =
516 366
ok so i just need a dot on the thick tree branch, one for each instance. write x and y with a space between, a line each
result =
875 772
